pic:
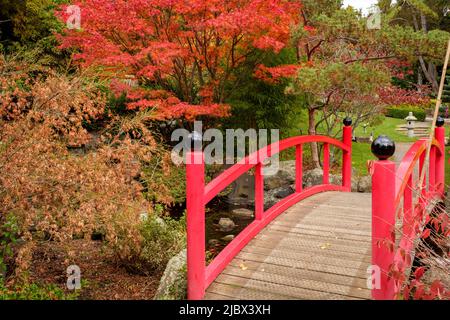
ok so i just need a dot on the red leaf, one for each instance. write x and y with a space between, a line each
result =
419 293
419 273
426 233
406 292
437 287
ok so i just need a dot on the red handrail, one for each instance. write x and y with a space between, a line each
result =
389 187
198 195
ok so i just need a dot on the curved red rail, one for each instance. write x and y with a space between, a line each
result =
411 158
227 177
389 187
198 195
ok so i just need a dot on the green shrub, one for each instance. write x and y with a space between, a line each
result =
401 112
9 230
164 182
446 93
163 238
34 291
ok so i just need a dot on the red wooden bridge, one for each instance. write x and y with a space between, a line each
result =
319 242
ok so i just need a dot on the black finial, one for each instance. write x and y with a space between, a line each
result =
347 121
440 121
383 147
196 141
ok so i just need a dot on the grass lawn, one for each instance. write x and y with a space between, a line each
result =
386 128
361 151
360 155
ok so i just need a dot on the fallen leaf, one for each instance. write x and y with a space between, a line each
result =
243 266
325 246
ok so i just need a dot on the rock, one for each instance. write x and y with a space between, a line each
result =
282 178
272 182
213 242
273 196
173 283
312 178
226 224
228 238
287 169
241 190
242 213
284 192
336 179
365 184
354 184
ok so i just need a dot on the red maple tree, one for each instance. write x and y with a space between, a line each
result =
182 52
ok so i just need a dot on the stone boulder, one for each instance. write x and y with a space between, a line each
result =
173 283
228 238
226 225
242 213
312 178
284 177
365 184
273 196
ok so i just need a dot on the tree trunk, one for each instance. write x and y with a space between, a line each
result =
312 132
419 78
430 72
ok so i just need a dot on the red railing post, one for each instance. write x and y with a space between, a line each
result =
195 223
326 164
439 134
408 207
423 187
298 168
347 156
383 215
432 170
259 191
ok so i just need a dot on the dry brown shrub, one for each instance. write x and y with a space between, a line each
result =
60 180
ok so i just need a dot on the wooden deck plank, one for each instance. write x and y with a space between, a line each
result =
317 224
298 281
317 249
302 273
286 262
319 233
244 288
241 293
294 239
314 257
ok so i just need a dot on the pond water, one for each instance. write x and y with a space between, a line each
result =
240 195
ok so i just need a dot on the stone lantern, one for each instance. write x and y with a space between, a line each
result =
410 119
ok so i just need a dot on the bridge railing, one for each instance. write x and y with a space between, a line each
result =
391 185
200 276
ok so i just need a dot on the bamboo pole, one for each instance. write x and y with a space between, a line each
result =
435 115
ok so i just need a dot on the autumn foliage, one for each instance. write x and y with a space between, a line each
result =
61 178
394 96
183 53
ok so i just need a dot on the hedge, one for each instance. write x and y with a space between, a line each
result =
401 112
